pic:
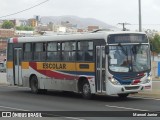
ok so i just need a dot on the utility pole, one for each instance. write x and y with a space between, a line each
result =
123 24
140 19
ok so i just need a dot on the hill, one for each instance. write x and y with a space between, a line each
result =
79 22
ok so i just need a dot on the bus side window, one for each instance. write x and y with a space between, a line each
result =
53 53
27 51
68 51
39 51
10 52
85 51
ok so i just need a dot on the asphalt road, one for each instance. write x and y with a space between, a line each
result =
21 99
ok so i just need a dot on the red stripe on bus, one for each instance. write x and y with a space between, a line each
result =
15 40
51 74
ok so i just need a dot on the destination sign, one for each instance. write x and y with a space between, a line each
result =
127 38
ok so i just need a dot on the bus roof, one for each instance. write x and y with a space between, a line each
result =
66 37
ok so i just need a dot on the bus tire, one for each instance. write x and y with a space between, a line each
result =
123 95
86 91
34 85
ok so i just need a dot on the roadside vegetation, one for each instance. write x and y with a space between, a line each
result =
26 28
155 42
8 25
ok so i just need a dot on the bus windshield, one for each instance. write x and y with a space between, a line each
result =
129 58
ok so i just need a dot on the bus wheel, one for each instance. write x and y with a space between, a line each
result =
123 95
86 91
34 85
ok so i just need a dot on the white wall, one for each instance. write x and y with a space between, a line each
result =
3 78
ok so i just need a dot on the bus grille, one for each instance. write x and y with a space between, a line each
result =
132 88
132 77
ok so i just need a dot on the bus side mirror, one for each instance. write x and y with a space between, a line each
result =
107 49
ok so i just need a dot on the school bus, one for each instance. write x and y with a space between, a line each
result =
109 63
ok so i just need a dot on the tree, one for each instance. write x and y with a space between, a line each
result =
7 24
155 41
27 28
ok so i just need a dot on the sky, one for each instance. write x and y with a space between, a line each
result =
109 11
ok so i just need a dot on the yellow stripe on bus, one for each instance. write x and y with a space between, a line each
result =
9 65
65 66
25 65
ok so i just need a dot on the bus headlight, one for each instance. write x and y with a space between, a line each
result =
114 81
147 80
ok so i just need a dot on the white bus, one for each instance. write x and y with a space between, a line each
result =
111 63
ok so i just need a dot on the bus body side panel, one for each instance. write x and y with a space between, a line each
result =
9 64
28 71
92 85
58 75
25 74
87 70
10 75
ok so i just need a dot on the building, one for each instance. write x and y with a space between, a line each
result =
21 23
3 47
62 29
40 28
3 44
92 28
32 22
6 33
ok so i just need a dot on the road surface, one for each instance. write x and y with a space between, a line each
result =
21 99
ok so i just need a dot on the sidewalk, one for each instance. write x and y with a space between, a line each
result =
151 94
154 93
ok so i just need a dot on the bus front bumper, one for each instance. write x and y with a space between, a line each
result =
112 89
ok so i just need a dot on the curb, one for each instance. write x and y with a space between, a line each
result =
152 94
148 96
6 84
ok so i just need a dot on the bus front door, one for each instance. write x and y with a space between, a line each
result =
100 69
17 66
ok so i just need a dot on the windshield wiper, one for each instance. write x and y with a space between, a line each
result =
134 49
123 50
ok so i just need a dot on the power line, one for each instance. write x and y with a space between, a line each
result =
25 9
146 24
